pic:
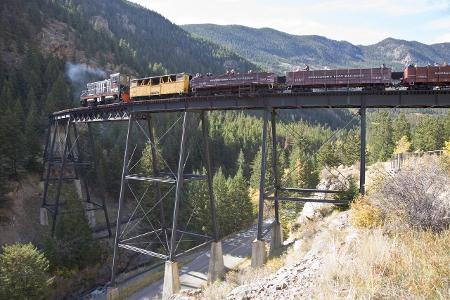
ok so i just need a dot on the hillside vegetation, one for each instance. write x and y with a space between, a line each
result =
393 243
279 51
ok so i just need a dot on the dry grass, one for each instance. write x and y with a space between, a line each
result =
400 251
241 276
409 265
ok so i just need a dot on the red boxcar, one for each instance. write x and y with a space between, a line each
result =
427 76
339 78
232 81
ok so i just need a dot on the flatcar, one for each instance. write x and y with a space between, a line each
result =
233 83
426 77
339 78
114 89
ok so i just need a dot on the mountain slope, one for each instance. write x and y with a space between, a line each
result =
110 34
279 51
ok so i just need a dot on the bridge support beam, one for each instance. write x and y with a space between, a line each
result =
171 277
121 197
100 180
362 160
259 246
216 267
277 237
171 280
276 241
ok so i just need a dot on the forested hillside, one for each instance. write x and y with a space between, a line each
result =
39 37
279 51
50 48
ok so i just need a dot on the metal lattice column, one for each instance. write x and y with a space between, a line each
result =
68 165
362 168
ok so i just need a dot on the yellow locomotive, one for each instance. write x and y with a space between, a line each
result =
174 84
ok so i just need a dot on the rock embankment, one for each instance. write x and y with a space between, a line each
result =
298 280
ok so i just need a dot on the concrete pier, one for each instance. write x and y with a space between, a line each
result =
43 216
112 293
171 280
90 215
216 266
259 255
276 241
77 184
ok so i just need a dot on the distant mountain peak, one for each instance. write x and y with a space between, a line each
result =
279 51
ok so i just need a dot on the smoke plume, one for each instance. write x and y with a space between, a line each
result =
80 73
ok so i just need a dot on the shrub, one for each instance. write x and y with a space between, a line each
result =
419 195
349 192
23 273
364 214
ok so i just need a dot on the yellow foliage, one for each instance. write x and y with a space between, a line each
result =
447 148
403 145
364 214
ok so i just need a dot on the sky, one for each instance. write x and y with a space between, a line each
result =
357 21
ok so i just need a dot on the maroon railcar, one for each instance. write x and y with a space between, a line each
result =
339 78
429 76
233 82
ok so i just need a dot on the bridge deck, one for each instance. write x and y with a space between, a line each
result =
335 99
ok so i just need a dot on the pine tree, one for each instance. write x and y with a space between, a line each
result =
12 145
73 245
349 149
428 134
33 146
198 197
302 171
224 214
381 144
58 98
7 95
401 128
327 155
240 202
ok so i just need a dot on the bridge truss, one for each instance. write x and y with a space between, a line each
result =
166 232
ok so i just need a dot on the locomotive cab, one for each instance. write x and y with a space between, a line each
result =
114 89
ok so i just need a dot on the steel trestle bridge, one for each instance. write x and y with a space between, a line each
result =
64 161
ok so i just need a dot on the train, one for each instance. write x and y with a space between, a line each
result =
121 88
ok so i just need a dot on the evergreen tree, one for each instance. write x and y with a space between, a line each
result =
256 171
302 170
19 114
428 134
349 148
12 145
33 146
198 197
224 214
59 97
240 202
401 128
381 144
7 95
327 155
73 245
